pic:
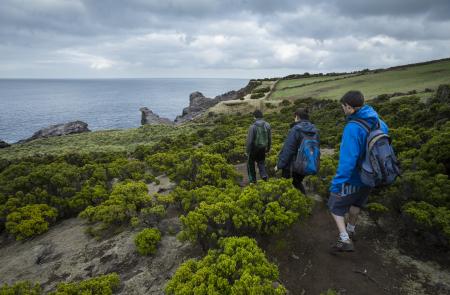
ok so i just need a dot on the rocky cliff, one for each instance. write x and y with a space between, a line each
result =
58 130
150 118
198 103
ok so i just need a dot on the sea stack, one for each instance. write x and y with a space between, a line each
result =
150 118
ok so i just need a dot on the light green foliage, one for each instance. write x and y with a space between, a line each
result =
266 208
125 202
21 288
30 220
101 285
430 218
320 183
238 266
147 240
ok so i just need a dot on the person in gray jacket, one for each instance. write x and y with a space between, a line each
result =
259 141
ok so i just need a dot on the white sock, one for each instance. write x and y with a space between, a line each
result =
344 237
350 227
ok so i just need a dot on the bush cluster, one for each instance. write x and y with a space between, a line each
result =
266 208
147 240
237 266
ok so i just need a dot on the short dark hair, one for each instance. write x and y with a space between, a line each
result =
258 114
353 98
302 113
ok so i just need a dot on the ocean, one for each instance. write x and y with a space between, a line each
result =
27 105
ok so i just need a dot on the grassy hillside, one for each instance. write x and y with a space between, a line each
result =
99 141
400 79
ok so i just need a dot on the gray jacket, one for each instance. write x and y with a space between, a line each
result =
252 132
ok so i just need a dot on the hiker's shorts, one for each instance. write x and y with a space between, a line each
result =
350 195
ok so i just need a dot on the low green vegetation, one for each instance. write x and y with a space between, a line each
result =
146 241
237 266
101 285
267 208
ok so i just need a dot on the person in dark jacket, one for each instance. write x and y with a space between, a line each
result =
347 193
293 140
255 154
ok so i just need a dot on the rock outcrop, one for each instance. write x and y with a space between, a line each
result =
150 118
198 103
4 144
59 130
443 93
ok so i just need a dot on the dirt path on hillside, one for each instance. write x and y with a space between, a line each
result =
307 266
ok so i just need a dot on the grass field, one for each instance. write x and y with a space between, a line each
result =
299 82
98 141
372 84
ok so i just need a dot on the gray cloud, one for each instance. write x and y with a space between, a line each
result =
178 38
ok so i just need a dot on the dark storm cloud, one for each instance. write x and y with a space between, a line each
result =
93 38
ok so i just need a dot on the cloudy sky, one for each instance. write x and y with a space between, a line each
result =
211 38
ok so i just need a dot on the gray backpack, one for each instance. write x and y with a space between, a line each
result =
379 167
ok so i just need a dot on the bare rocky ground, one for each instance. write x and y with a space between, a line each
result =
66 253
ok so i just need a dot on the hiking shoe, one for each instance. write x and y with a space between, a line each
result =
265 178
342 246
351 235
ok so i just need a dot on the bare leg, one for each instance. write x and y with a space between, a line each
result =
340 222
353 215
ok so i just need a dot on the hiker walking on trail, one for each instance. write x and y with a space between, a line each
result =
300 155
259 140
364 143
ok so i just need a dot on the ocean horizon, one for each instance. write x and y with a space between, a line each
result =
28 105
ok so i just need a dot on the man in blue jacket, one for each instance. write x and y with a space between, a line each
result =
347 193
293 140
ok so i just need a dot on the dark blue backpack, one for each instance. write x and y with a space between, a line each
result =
379 167
307 161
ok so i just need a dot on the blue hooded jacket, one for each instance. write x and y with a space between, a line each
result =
292 142
353 148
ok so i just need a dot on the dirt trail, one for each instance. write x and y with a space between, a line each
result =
307 266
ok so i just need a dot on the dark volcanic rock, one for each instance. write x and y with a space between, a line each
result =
443 93
198 103
150 118
59 129
4 144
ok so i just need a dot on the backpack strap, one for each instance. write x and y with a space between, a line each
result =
363 124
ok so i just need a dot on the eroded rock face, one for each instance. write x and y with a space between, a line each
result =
443 93
59 130
150 118
198 103
66 253
4 144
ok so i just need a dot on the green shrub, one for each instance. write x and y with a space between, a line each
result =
238 266
266 208
147 240
30 220
101 285
21 288
257 95
126 201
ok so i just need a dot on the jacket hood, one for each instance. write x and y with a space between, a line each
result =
259 121
306 126
366 113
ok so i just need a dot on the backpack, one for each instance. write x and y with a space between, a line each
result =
307 161
379 167
261 141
